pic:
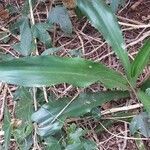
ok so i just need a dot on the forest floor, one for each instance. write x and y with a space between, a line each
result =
112 131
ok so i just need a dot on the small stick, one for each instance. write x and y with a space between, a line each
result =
45 94
3 102
55 118
119 109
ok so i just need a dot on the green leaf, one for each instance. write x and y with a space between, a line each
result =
5 57
102 18
75 140
148 91
49 70
40 31
75 52
59 15
23 112
52 144
50 51
89 145
145 85
24 106
115 4
74 134
12 9
26 9
80 106
139 143
7 127
25 44
141 123
23 136
145 99
96 113
141 60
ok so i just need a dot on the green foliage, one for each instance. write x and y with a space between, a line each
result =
59 15
145 85
26 10
104 21
23 137
52 144
96 113
45 116
145 99
141 60
25 46
141 123
38 71
5 57
72 140
50 70
7 127
50 51
75 140
116 3
24 107
40 31
139 143
148 91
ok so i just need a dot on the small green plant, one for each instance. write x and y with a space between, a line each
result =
39 71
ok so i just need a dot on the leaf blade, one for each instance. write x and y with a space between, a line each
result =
50 70
141 122
7 127
24 106
141 60
39 30
145 99
104 21
59 15
26 37
80 106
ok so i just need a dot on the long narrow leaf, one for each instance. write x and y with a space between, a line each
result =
102 18
145 85
141 60
145 99
51 70
7 127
